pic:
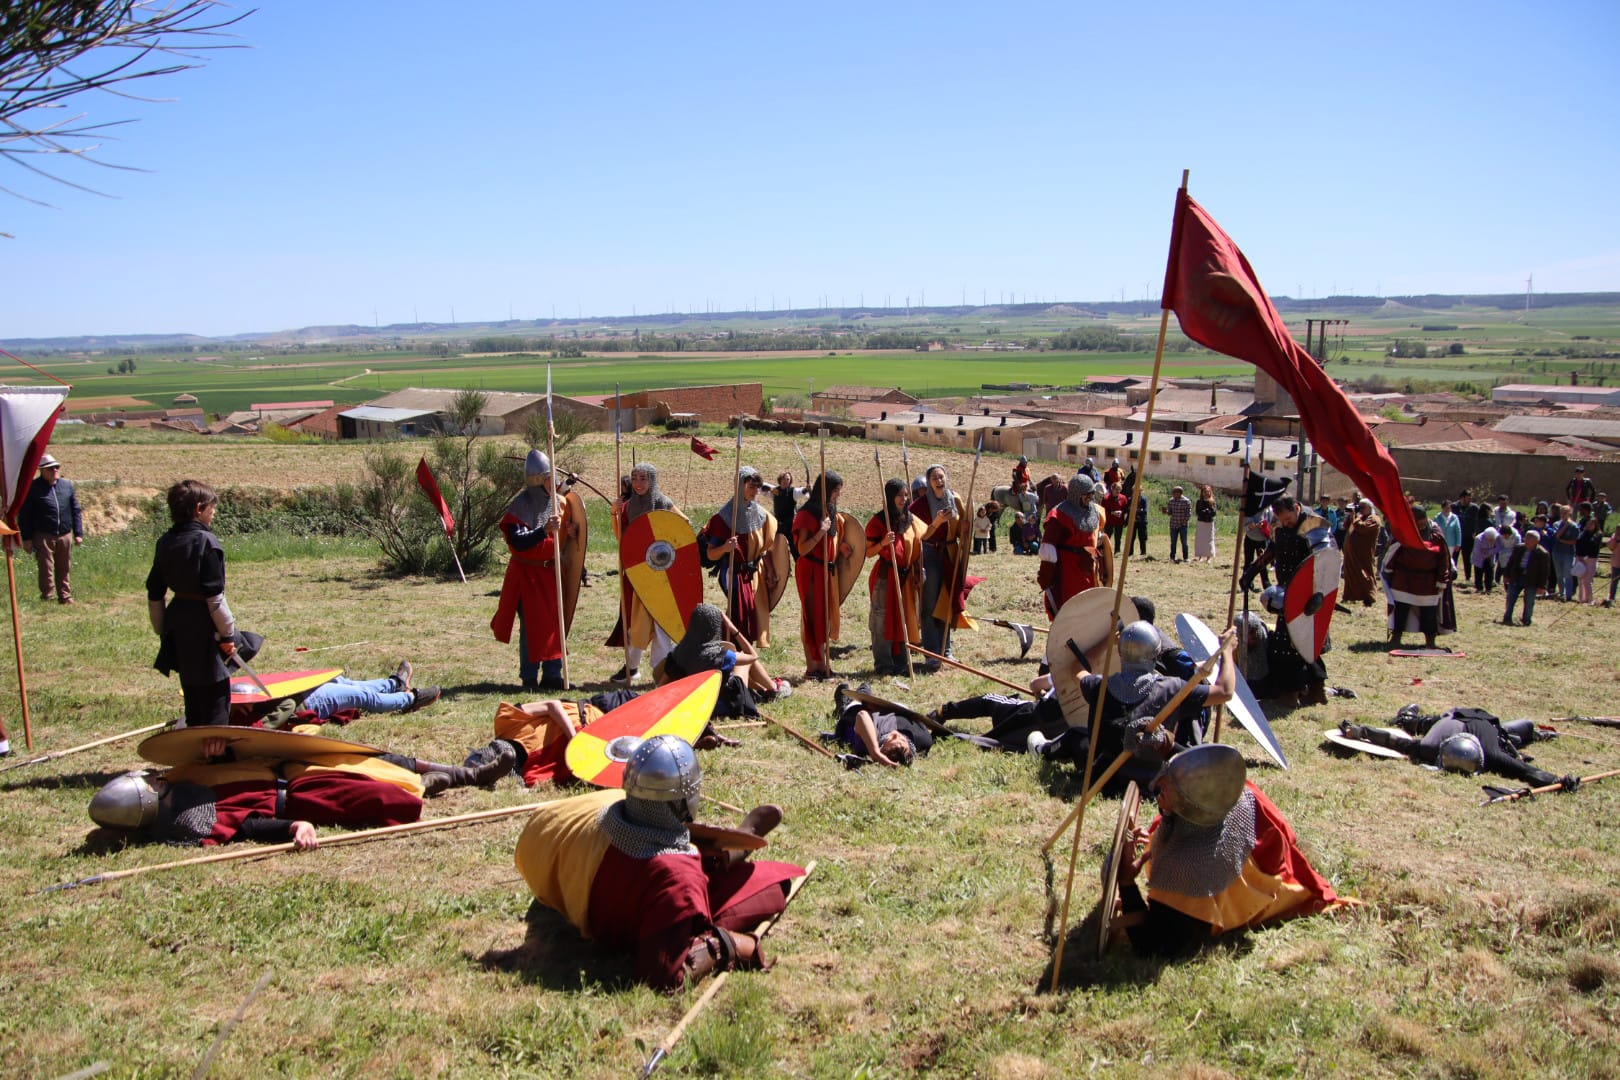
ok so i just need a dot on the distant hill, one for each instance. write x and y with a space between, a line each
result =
804 318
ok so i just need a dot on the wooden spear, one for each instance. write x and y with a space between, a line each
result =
828 586
259 851
801 736
964 545
618 520
970 670
557 546
667 1043
85 746
897 599
1524 793
736 508
1237 559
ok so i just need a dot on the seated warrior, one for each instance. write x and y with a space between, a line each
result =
1219 857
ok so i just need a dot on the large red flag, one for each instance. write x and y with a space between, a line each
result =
1220 304
424 476
703 449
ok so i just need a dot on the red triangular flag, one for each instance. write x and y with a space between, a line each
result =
703 449
1220 304
424 476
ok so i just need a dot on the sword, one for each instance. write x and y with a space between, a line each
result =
254 675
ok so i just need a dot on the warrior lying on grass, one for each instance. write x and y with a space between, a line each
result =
338 699
623 868
1463 740
1219 857
887 738
222 799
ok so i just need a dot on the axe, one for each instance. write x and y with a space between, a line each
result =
1026 633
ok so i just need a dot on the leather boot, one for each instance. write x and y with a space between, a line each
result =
454 776
1314 694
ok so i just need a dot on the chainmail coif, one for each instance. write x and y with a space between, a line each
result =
644 829
1201 860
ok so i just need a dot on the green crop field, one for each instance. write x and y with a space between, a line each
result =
1497 346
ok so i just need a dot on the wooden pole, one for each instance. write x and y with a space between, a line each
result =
964 542
1231 596
86 746
618 521
736 508
898 598
828 515
963 667
1079 814
801 736
16 642
556 509
667 1043
1515 796
259 851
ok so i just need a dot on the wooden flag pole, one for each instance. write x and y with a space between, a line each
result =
556 509
16 643
1113 638
801 736
618 524
1231 596
898 599
259 851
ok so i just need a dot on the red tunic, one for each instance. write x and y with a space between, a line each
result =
320 798
530 586
743 613
899 619
810 574
1076 567
655 907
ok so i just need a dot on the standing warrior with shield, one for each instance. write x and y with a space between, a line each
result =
1075 554
942 512
644 498
817 544
895 537
738 541
532 527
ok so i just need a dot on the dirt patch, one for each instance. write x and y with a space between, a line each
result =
109 401
112 509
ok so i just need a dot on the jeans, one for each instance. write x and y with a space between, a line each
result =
1563 559
371 696
1514 588
1178 532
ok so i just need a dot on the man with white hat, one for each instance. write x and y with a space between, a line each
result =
52 525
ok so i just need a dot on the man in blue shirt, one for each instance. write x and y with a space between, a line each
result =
52 525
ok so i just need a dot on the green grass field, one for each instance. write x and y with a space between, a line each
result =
1485 947
1499 347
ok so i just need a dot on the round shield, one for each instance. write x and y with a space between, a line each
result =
1111 863
1085 624
850 566
780 557
658 556
1308 603
679 708
718 836
280 684
573 554
184 746
1105 560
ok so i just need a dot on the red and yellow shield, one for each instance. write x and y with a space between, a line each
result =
658 556
281 684
679 708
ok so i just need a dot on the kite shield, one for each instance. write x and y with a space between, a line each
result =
680 708
1085 624
1201 643
573 555
184 746
281 684
1308 603
779 557
658 556
849 566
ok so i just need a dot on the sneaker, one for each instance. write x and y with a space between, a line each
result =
402 675
422 697
784 688
621 677
1037 744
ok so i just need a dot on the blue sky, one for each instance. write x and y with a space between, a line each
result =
411 160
